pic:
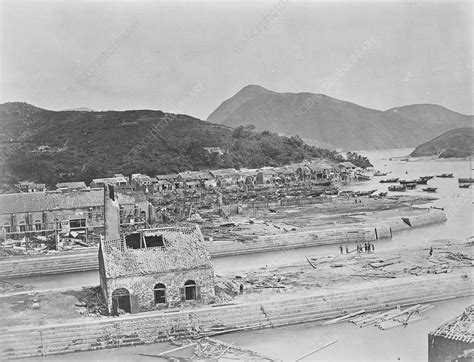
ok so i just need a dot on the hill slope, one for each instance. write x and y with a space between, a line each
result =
327 120
458 142
48 146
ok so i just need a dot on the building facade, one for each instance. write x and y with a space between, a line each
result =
155 269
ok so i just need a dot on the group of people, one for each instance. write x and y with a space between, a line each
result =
367 247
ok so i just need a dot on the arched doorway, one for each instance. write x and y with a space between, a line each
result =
190 290
121 300
160 293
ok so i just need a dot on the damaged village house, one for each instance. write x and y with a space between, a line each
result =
151 269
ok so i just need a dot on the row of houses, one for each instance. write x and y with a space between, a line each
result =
206 179
312 170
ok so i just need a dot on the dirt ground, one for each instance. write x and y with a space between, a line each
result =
331 272
339 213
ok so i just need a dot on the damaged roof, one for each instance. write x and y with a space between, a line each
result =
460 328
38 201
184 250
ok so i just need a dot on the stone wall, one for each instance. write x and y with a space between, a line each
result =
141 287
268 313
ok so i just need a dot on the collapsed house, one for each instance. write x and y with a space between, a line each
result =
152 268
453 340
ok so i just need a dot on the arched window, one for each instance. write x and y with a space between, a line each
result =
121 300
190 290
7 227
37 225
160 293
22 226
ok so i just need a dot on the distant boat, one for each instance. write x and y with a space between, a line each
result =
397 188
378 173
404 182
464 186
430 189
445 175
389 180
469 180
365 193
411 185
422 181
362 177
426 177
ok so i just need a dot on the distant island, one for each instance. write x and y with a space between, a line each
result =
454 143
334 123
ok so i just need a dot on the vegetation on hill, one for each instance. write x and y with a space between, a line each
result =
48 146
457 142
324 120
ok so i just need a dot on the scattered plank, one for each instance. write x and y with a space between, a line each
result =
344 317
316 350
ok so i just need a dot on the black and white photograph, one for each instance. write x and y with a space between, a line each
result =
222 180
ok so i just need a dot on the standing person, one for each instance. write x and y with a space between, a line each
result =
341 249
347 249
373 247
431 251
365 247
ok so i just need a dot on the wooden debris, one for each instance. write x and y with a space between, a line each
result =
343 318
316 350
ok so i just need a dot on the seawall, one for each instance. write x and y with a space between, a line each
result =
85 260
158 326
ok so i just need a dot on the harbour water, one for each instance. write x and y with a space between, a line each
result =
367 344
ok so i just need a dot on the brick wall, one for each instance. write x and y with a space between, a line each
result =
141 287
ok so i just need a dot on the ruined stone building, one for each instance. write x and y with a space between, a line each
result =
154 269
44 213
453 340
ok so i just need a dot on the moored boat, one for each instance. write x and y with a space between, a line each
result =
469 180
411 185
430 189
404 182
422 181
397 188
464 186
389 180
426 177
445 175
378 173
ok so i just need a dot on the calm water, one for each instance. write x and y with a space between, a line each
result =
407 344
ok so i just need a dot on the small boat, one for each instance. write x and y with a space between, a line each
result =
378 173
362 177
468 180
404 182
364 193
389 180
464 186
445 175
411 185
397 188
426 177
430 189
422 181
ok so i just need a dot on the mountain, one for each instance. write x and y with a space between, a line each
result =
457 142
79 109
323 120
51 146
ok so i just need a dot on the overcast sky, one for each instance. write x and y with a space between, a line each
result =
188 57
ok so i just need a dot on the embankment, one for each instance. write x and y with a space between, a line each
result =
152 327
65 262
